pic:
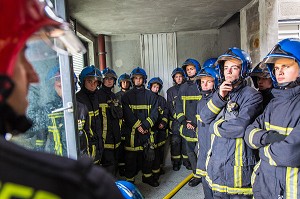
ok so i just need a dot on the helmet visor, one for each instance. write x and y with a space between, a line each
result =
61 39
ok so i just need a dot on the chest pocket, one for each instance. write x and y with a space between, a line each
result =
232 110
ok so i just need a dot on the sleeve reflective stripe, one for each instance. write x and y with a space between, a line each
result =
112 146
279 129
251 137
238 162
291 182
165 119
137 124
213 107
174 116
150 121
180 115
216 124
39 142
268 155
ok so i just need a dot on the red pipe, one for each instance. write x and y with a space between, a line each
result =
101 51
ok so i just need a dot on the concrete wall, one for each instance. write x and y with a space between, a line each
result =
259 28
288 9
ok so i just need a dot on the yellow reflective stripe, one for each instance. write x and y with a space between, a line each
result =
140 107
56 134
291 182
195 175
147 175
213 108
87 142
212 138
132 135
188 139
174 116
216 124
268 155
251 135
120 122
91 115
238 162
176 156
130 179
198 97
156 171
151 136
165 119
139 148
198 118
39 142
226 189
103 107
112 146
253 176
185 156
279 129
161 143
93 151
150 121
180 115
201 172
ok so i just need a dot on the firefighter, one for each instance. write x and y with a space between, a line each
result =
263 82
275 133
54 130
155 85
209 81
110 113
26 173
186 107
140 114
89 80
229 111
177 143
124 83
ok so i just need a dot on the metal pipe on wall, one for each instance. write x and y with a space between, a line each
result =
101 52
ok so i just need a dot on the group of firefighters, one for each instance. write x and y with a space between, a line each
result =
229 129
240 141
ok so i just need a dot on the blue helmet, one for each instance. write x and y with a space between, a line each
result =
210 72
210 62
55 73
287 48
191 62
107 72
124 77
178 70
257 71
129 190
155 80
89 71
235 53
139 71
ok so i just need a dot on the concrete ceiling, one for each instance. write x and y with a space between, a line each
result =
112 17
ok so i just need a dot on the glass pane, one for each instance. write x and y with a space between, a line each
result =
48 130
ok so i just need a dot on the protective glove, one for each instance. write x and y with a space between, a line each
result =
274 136
149 153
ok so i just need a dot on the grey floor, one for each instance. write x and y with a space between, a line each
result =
168 181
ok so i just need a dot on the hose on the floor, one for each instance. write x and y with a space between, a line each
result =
178 187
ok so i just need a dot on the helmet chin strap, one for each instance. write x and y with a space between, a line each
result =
288 85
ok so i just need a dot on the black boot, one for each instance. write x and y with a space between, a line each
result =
176 166
194 182
150 181
187 165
